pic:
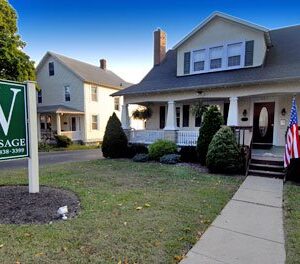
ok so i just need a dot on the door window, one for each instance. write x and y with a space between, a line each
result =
263 121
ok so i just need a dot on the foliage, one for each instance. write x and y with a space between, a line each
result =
44 147
63 141
14 63
109 193
212 122
141 157
160 148
199 109
142 113
188 154
136 148
170 159
292 222
223 153
114 141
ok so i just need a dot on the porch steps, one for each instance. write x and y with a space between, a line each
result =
266 167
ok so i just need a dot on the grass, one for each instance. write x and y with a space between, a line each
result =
178 204
292 222
72 147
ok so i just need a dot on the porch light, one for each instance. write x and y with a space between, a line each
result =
283 112
245 112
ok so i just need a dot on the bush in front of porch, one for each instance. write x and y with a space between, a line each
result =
162 147
224 155
212 122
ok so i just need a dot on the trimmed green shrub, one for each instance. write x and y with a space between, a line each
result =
224 155
212 122
136 148
115 142
170 159
161 147
63 141
44 147
141 157
188 154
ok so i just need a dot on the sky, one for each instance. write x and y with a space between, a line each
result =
122 31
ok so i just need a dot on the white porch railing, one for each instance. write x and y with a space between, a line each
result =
74 135
146 136
187 138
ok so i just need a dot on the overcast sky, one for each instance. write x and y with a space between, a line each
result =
122 31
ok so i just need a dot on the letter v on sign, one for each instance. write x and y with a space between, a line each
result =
5 123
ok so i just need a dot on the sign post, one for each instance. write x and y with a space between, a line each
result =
18 127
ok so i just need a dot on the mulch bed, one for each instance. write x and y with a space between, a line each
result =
18 206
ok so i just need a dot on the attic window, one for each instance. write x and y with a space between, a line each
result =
215 56
51 68
199 60
234 53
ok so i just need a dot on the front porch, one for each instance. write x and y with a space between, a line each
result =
60 120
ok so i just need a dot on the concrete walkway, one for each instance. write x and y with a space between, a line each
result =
249 229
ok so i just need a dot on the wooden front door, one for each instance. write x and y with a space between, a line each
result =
263 123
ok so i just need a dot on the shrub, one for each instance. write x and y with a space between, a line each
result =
161 147
134 149
223 153
44 147
63 141
212 122
188 154
141 157
115 142
170 159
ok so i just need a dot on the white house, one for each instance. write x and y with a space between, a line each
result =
249 71
74 98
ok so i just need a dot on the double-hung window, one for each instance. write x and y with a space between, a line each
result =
51 68
199 60
117 103
234 54
215 57
94 122
94 94
40 97
67 93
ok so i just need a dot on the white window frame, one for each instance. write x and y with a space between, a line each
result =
92 87
193 61
65 86
97 122
40 96
224 66
117 103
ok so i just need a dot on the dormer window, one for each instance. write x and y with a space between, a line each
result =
234 53
199 60
215 57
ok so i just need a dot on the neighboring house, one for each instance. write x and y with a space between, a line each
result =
249 71
74 99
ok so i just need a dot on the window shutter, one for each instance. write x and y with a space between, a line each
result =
249 49
187 62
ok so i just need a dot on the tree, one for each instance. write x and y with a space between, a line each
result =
115 142
224 155
14 63
212 122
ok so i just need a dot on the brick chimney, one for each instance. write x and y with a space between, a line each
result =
160 40
103 64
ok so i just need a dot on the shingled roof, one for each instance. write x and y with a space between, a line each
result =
282 63
89 73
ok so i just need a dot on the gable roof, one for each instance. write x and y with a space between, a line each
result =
58 109
282 63
226 17
87 72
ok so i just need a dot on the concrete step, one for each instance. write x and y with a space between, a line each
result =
267 173
265 167
267 160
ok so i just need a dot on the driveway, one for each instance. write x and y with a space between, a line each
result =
55 157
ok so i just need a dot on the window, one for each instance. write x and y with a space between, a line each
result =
199 60
185 115
234 53
43 122
94 122
198 120
215 56
117 103
40 98
94 94
162 117
51 68
178 116
67 93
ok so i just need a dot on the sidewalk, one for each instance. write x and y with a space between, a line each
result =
249 229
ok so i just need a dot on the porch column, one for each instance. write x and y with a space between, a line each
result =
125 117
39 126
233 113
171 117
58 124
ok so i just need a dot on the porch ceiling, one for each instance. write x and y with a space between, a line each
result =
58 109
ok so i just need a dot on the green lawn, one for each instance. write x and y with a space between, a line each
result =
49 148
292 222
178 204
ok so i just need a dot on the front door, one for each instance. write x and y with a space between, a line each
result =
263 124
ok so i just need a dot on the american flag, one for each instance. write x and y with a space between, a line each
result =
292 146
